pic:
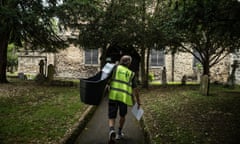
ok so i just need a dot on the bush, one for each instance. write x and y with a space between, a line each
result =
150 76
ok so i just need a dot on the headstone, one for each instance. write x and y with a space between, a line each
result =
51 72
41 67
41 78
184 80
21 76
204 85
164 76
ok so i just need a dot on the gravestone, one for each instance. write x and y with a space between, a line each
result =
51 72
204 85
40 78
41 67
184 80
22 76
164 76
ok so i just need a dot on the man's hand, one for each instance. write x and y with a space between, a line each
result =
136 94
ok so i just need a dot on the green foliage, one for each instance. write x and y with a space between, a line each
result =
199 67
151 77
209 27
30 22
116 23
12 60
125 23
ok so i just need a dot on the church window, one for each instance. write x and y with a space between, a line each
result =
157 58
91 56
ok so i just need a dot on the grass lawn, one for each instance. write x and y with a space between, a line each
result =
174 114
30 113
178 114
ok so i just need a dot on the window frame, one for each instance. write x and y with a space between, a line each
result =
93 58
160 58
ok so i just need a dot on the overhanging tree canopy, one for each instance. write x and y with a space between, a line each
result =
124 23
211 28
34 23
29 22
207 29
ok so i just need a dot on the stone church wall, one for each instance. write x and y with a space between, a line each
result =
183 65
28 62
69 63
220 72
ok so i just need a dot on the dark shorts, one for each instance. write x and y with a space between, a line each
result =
113 107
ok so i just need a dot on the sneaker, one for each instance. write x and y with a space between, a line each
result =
119 136
112 135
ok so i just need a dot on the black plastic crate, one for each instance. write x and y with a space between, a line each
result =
92 89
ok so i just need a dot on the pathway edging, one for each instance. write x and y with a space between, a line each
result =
76 129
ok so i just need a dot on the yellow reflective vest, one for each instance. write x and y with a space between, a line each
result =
121 85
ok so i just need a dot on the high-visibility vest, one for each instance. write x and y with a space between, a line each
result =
121 85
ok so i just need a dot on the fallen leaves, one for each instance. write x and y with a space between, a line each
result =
181 115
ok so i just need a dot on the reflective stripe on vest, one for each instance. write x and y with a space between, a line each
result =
121 85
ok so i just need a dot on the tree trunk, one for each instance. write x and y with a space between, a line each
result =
147 70
173 64
206 71
143 70
103 57
3 56
206 68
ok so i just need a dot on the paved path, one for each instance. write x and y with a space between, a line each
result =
96 131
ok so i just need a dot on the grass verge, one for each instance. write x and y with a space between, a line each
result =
180 115
30 113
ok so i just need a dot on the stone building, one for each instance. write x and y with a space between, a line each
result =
74 62
186 64
68 63
236 57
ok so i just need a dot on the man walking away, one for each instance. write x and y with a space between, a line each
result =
122 89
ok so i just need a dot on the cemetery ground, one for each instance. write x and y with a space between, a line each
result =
30 113
173 114
178 114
